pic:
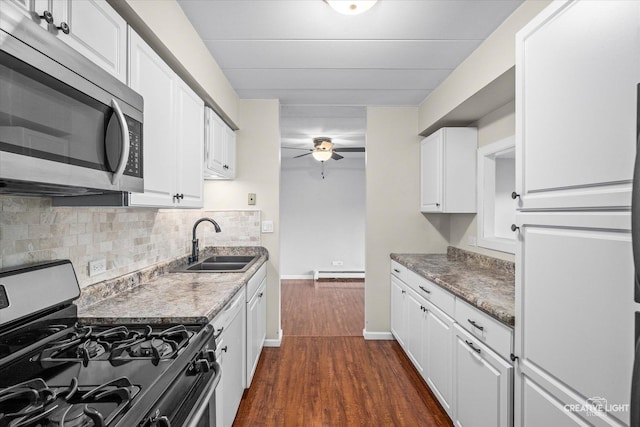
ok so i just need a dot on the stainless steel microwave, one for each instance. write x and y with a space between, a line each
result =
67 127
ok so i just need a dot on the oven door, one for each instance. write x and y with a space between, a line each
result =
187 403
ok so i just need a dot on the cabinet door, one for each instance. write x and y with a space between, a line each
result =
155 81
398 311
483 384
232 357
438 355
575 310
256 329
215 144
416 322
230 153
431 173
96 31
189 148
578 66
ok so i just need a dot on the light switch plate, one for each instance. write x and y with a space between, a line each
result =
267 226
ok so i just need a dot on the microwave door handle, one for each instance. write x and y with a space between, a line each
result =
124 154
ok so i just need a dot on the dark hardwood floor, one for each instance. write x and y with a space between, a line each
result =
326 374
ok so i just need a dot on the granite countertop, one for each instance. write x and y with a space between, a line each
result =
484 282
160 295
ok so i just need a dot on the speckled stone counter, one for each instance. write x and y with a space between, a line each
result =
484 282
159 295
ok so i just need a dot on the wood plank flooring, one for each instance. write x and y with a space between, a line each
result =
335 377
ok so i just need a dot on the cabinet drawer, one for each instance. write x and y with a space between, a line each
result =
431 292
485 328
398 270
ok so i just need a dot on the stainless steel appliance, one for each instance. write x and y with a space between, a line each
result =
67 127
56 370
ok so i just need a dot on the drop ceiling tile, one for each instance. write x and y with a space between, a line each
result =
314 19
339 97
334 78
380 54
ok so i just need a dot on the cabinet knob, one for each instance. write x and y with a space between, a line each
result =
47 16
515 195
437 204
514 227
64 27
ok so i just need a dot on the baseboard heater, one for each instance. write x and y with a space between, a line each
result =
338 274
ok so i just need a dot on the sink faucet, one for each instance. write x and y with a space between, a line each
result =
194 242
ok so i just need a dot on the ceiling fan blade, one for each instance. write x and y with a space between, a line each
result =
301 155
336 156
350 149
297 148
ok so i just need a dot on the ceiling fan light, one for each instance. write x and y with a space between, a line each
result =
321 155
351 7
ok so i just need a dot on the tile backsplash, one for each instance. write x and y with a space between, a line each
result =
128 238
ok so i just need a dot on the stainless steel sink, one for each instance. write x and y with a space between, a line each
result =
223 264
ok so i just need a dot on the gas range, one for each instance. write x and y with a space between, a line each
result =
56 370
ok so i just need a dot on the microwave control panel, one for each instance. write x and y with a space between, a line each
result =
134 164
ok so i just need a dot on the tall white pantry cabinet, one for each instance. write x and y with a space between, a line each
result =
577 71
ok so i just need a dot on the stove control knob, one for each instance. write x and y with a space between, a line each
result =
209 355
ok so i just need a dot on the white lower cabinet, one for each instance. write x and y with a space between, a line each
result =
438 355
472 381
398 312
230 354
416 326
256 321
483 384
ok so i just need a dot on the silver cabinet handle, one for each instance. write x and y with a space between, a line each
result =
475 325
124 154
424 289
470 344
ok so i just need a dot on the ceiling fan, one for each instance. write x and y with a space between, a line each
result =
324 150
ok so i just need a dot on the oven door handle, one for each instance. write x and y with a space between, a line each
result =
203 404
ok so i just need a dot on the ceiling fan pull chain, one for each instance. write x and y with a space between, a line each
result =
322 173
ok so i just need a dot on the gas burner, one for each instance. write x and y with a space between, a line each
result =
34 404
153 345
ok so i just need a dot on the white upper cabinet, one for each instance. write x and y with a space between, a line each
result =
220 148
576 98
173 132
94 29
448 171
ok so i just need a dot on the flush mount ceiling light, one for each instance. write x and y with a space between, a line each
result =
350 7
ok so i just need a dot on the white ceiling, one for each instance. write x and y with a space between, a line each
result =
314 59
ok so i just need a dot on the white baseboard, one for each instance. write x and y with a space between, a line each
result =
377 335
296 277
338 274
274 342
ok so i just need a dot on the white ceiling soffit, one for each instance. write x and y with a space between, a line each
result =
303 52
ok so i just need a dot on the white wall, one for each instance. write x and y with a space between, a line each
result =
393 219
494 57
493 127
322 220
257 171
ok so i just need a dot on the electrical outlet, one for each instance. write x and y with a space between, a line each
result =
252 198
337 263
98 266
